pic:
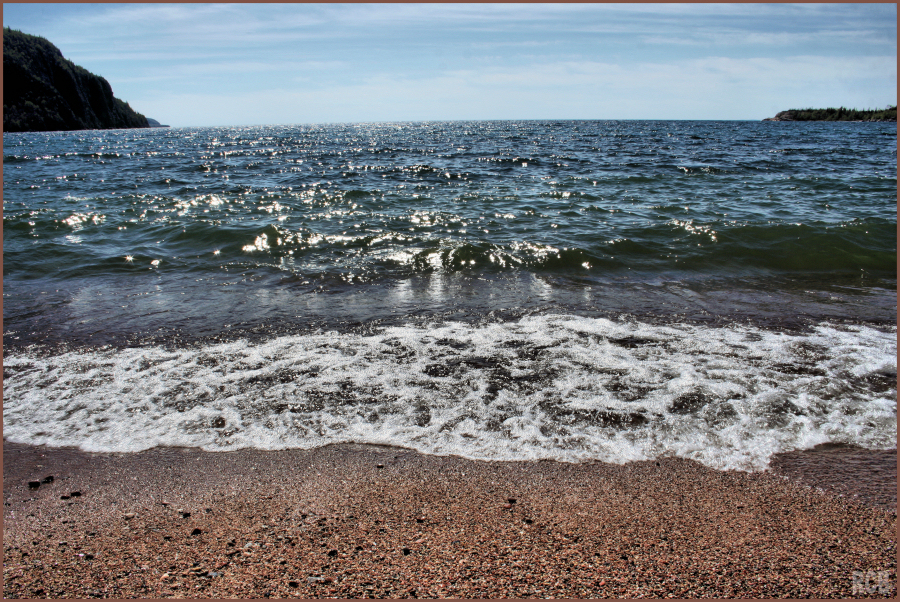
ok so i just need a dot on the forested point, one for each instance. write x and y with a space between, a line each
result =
43 91
838 114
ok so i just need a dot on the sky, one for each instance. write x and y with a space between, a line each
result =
259 64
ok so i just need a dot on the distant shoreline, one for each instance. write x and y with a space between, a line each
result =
840 114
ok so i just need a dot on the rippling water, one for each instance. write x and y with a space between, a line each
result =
572 290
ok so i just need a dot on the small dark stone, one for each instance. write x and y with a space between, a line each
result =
332 553
34 484
196 532
439 369
511 500
185 514
420 520
293 584
88 556
406 551
528 521
379 466
167 537
75 494
47 479
63 497
218 422
690 402
657 463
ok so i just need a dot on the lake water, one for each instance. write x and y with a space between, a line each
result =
574 290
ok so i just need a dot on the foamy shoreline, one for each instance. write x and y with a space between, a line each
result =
356 521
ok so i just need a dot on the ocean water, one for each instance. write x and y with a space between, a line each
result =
575 290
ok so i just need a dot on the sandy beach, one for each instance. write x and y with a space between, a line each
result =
350 521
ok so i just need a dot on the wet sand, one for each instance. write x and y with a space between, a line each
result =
354 521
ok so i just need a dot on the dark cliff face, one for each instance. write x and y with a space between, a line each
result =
42 91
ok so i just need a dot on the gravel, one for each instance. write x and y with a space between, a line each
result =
353 521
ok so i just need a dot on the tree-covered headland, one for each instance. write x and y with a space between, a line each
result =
43 91
839 114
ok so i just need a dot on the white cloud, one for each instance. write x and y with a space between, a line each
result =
713 88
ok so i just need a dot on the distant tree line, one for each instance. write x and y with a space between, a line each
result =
43 91
838 114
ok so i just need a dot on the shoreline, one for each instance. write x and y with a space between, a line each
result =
369 521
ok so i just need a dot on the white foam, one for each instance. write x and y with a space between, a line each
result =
542 387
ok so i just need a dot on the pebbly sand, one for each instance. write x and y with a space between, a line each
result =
352 521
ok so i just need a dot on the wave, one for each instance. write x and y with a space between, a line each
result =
88 243
554 386
681 244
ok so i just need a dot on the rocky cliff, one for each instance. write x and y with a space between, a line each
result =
42 91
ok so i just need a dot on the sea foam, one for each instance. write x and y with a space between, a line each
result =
559 387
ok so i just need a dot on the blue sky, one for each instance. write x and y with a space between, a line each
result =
247 64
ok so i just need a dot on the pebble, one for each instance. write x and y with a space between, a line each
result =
47 479
591 570
34 484
75 494
129 516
